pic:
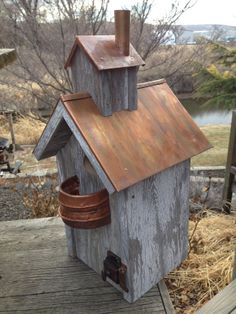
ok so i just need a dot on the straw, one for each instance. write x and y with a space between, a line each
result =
208 268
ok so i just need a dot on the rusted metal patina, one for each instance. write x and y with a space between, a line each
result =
83 211
114 269
133 145
104 53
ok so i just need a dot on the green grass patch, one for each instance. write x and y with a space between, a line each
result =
218 136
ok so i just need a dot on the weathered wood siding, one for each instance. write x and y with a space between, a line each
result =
55 135
149 233
231 161
70 161
86 149
112 90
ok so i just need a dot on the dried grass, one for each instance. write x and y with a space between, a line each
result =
41 197
27 130
208 267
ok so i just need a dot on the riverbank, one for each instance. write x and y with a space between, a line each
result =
218 136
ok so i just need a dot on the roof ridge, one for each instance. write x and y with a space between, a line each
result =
84 95
75 96
151 83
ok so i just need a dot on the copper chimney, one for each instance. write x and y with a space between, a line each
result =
122 30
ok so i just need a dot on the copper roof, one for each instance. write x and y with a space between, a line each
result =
104 53
133 145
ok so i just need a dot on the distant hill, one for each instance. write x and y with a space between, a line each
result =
199 27
190 33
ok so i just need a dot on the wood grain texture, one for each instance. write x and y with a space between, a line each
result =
38 277
169 308
70 161
223 303
234 267
149 223
132 85
111 90
231 161
54 136
157 221
86 78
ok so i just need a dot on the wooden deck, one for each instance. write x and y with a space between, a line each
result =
37 276
223 303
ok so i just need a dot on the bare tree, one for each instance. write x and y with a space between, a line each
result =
93 16
154 42
147 37
42 31
217 33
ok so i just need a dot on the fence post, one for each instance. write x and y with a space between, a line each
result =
231 161
234 267
10 121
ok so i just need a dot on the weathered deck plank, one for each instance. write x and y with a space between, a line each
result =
223 303
37 276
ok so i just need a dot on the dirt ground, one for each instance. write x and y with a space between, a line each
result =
30 164
13 202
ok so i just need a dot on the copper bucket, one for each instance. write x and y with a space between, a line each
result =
83 211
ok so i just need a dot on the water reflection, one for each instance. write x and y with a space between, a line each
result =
202 115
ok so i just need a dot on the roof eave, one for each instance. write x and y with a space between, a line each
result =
72 52
44 148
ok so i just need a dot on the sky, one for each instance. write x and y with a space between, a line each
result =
203 12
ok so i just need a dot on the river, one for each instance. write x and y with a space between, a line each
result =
203 116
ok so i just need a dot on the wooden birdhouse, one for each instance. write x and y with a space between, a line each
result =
123 153
106 67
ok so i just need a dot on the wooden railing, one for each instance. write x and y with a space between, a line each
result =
230 172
